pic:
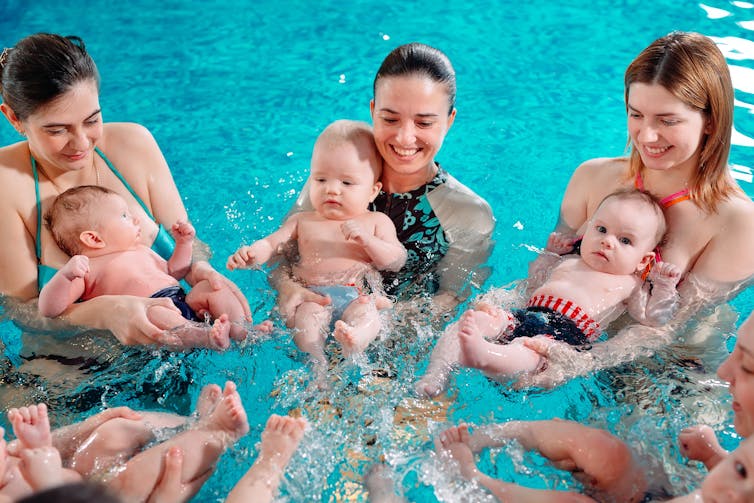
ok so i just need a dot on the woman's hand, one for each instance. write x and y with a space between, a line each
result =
561 362
169 487
203 271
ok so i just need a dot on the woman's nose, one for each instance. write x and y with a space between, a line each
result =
79 140
406 134
647 133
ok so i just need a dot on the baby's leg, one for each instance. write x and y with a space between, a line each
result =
309 329
379 481
280 439
498 360
444 358
359 326
203 298
447 352
192 334
201 445
116 438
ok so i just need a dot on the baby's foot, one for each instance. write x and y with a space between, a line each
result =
280 439
472 343
434 381
31 426
349 341
41 467
454 442
219 337
229 415
379 481
208 399
265 327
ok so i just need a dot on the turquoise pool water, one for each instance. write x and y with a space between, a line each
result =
236 92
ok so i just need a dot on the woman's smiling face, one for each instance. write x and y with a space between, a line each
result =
410 118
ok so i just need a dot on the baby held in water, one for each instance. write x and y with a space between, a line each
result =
577 296
95 227
338 243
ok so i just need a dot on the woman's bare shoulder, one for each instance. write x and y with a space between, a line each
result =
603 167
15 170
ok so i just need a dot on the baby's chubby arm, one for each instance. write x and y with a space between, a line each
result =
263 250
656 301
65 287
382 245
539 269
179 263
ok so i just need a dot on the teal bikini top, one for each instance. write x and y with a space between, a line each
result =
163 244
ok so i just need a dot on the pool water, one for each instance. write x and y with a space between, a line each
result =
236 92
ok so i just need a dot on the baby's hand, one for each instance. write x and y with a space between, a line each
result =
76 267
699 443
666 271
183 231
559 243
353 231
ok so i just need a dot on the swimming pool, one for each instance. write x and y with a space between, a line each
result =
236 92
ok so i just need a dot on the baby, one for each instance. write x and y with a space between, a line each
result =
94 226
338 243
582 294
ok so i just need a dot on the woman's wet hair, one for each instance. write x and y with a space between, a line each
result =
42 67
422 60
692 68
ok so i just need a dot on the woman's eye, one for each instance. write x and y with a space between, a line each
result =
55 131
669 122
740 469
389 121
424 124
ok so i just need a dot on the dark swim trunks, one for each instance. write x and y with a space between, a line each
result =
178 296
537 320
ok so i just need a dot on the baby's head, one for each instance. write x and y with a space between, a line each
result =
732 479
621 236
345 170
91 217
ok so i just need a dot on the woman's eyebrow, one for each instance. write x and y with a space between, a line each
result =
59 124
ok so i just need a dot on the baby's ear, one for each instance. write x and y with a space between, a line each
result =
646 261
375 191
92 239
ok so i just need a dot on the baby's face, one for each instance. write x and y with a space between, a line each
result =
341 184
738 371
116 226
620 237
732 480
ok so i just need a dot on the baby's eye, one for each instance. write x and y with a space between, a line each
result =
320 180
601 229
347 182
740 469
625 241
